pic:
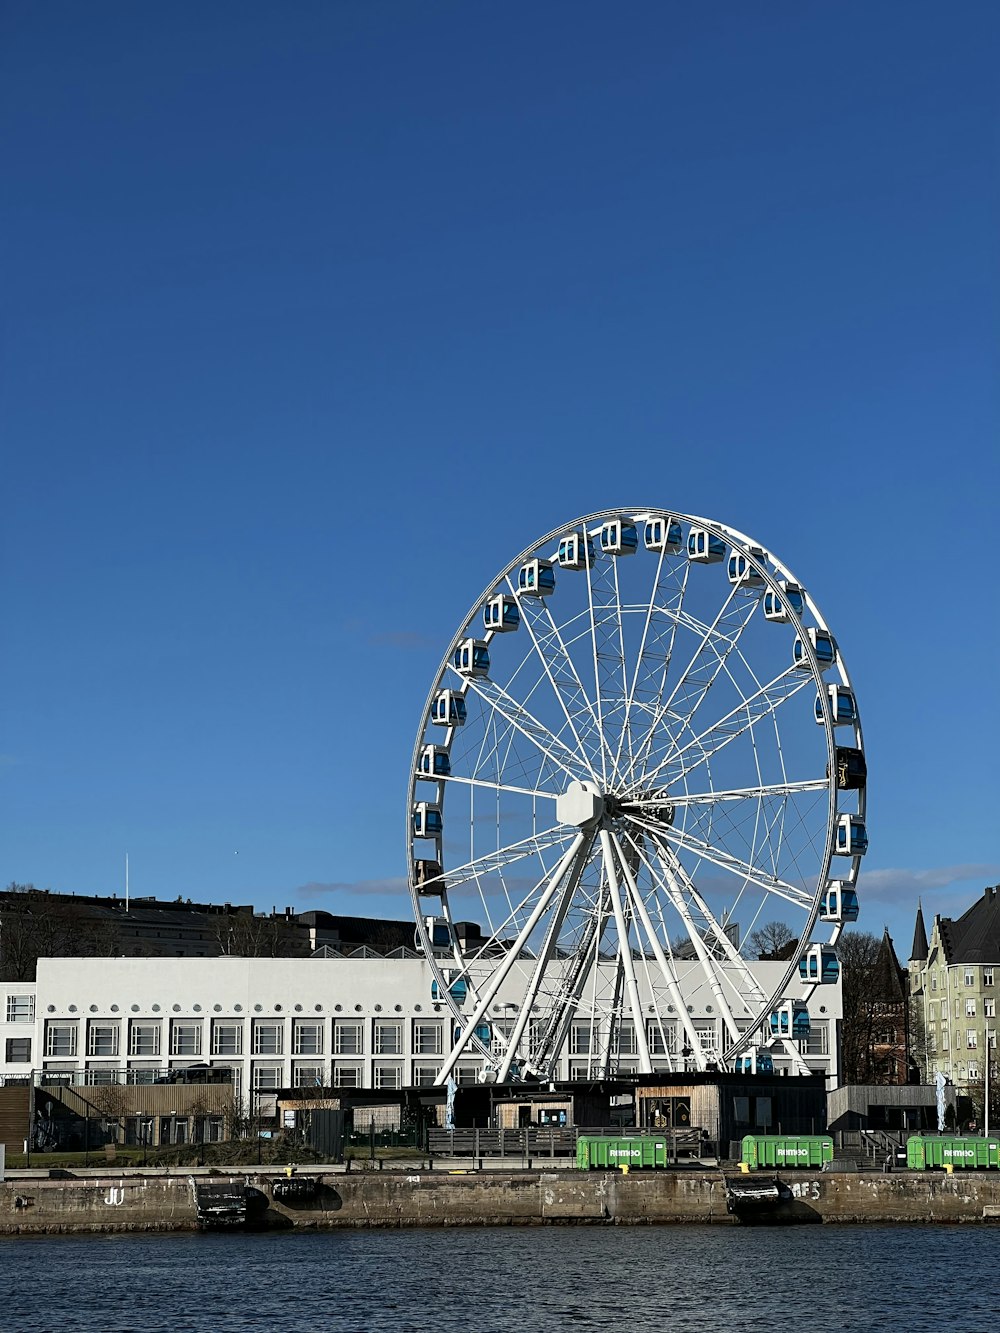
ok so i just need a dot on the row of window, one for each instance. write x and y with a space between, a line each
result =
227 1036
969 977
971 1005
971 1039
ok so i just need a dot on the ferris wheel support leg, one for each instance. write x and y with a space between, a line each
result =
625 952
575 874
666 968
499 976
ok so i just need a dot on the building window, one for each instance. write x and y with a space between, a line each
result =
958 1007
185 1038
970 1008
102 1038
989 1008
307 1075
266 1077
60 1038
624 1039
817 1043
268 1037
973 1071
388 1040
582 1039
661 1037
987 976
143 1038
970 976
944 1039
427 1038
707 1037
100 1076
19 1050
465 1074
20 1008
424 1075
387 1076
348 1039
307 1037
934 982
346 1076
227 1037
991 1038
578 1069
932 1043
971 1039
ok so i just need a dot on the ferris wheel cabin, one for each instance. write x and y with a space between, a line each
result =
501 614
536 578
819 964
852 836
843 709
840 903
457 989
438 932
663 534
576 551
448 709
775 609
742 573
704 548
427 821
434 762
472 658
851 768
619 538
790 1019
427 877
755 1061
823 645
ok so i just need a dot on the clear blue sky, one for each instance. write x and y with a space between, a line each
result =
316 314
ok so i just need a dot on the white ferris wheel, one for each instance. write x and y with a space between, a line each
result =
641 746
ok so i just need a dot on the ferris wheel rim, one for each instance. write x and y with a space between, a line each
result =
772 571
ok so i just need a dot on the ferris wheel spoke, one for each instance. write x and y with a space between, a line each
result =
559 754
736 866
697 940
491 862
625 737
713 645
763 703
670 607
560 671
775 789
496 979
456 779
686 888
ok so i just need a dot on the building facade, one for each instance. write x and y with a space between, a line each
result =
954 983
333 1021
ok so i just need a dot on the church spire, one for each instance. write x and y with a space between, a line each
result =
918 954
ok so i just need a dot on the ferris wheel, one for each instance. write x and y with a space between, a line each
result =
641 747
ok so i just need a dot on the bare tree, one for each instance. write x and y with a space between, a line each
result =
37 925
250 935
772 938
863 1005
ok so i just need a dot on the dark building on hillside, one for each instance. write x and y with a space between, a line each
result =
37 924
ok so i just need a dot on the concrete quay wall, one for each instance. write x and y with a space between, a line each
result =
127 1202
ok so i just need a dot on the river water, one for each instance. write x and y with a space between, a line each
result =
683 1279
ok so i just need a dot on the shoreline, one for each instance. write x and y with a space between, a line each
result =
102 1201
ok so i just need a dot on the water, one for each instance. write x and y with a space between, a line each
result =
677 1279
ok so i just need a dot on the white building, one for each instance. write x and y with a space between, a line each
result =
337 1022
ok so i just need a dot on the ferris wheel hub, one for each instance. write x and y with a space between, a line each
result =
582 804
